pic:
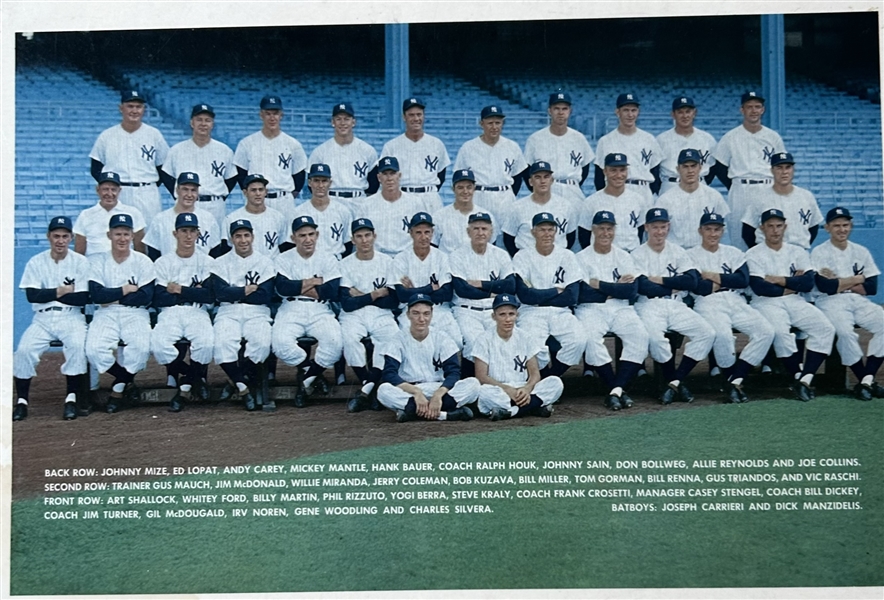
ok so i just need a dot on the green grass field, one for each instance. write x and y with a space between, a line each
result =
525 543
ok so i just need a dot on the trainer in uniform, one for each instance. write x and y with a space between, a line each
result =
243 281
743 155
517 228
353 161
668 274
269 227
610 283
718 298
135 151
90 228
421 376
451 221
56 283
423 157
619 199
565 149
636 143
332 216
183 293
846 274
307 280
547 284
275 153
161 237
684 135
207 157
496 161
121 282
689 199
507 368
367 303
778 274
391 209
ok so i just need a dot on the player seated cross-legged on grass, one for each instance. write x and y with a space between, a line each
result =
507 368
421 378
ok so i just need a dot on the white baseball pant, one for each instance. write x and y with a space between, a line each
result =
473 324
660 315
549 390
845 310
230 330
367 321
619 319
794 311
182 322
395 398
295 319
726 311
67 326
560 323
114 324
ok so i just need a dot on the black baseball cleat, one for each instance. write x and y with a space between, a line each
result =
684 394
113 404
319 387
200 391
300 397
227 393
70 411
802 391
500 414
668 395
176 404
734 394
132 394
862 392
460 414
404 417
877 390
626 401
249 401
359 403
544 412
20 412
613 402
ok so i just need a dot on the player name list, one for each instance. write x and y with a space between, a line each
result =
333 490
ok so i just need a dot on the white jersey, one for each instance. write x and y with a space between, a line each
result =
94 222
853 260
255 268
366 275
391 220
270 228
190 271
727 259
685 210
522 214
629 209
277 159
609 267
785 262
212 162
451 227
135 156
333 224
558 269
432 269
672 261
43 273
799 208
160 236
421 361
641 150
672 143
507 359
492 165
567 154
137 269
420 162
747 155
494 264
349 163
296 267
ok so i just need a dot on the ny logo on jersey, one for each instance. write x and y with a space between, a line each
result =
671 270
404 223
576 158
133 280
493 276
857 270
360 170
520 363
792 270
562 224
704 156
271 239
203 239
194 281
379 282
434 280
646 156
431 163
285 161
768 153
252 278
725 268
560 275
437 364
508 165
218 168
805 215
707 210
615 274
70 280
148 153
633 219
337 230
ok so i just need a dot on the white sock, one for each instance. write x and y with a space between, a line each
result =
185 387
170 381
22 401
807 379
241 387
119 387
367 388
617 391
674 384
514 410
442 416
309 381
72 397
868 380
737 382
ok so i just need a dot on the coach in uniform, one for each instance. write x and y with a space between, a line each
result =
684 135
90 227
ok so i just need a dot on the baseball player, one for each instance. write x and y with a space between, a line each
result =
56 284
565 149
422 156
689 199
479 272
778 274
332 216
610 283
307 280
719 299
207 157
161 239
243 281
423 269
517 228
619 199
507 368
846 274
367 305
636 143
684 135
497 162
668 274
270 227
183 293
136 151
547 284
451 221
274 152
798 205
421 376
743 161
353 161
90 228
391 209
121 282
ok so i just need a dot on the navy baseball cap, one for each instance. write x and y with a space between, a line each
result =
839 212
271 103
711 218
420 299
388 163
343 107
559 98
616 159
772 213
657 215
411 103
120 220
683 101
479 216
109 176
689 155
505 300
492 111
252 178
188 177
200 109
541 218
186 220
62 223
463 175
751 96
782 158
303 221
319 170
540 166
131 96
363 223
240 224
420 218
624 99
604 216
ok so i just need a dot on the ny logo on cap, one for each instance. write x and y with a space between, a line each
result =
190 175
629 96
361 221
561 96
618 157
464 173
782 155
838 211
386 161
240 222
684 100
123 218
304 219
320 168
187 218
657 213
341 106
134 93
412 100
546 216
204 107
60 220
112 174
606 215
505 298
493 109
271 101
